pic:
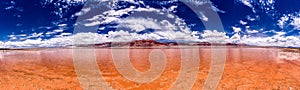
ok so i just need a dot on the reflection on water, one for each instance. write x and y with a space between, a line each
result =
261 54
256 68
261 68
292 56
1 54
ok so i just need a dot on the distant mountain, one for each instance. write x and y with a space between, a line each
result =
153 43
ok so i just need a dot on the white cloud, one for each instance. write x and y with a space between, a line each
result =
276 40
26 43
282 22
58 30
235 37
248 3
121 36
83 11
167 25
164 29
171 16
66 39
203 17
252 31
217 9
10 7
26 36
63 34
62 25
214 36
2 45
124 36
280 33
236 29
197 2
174 35
266 5
95 23
22 35
50 33
243 22
290 20
35 35
148 9
139 24
54 32
296 22
96 17
85 38
114 15
172 8
253 18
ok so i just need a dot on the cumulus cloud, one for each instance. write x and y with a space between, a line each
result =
26 43
214 36
124 36
236 37
139 24
279 39
66 39
53 42
2 44
85 38
289 41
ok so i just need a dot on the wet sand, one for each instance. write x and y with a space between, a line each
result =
245 68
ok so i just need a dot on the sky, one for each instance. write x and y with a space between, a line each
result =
269 22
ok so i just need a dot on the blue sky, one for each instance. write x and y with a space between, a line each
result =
256 18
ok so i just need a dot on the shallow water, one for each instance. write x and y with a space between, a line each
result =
255 68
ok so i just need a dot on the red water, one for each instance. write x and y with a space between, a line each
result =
245 68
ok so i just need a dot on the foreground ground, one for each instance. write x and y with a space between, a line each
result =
245 68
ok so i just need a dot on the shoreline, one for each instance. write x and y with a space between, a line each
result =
151 47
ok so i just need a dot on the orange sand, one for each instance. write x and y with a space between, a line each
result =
245 68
